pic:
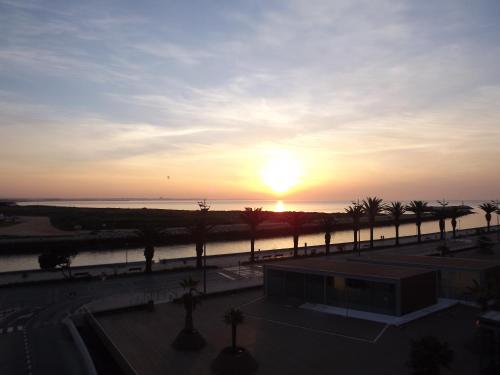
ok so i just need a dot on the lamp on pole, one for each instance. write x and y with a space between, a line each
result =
204 267
204 207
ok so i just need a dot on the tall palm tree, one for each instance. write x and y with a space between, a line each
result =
253 217
234 317
328 221
373 207
296 220
419 208
199 232
355 212
441 214
454 214
488 208
148 236
396 210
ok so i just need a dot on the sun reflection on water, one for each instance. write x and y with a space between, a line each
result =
280 207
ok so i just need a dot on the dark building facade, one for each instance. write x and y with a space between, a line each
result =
360 286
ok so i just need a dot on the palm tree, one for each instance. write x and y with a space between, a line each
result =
253 218
148 236
189 338
428 355
199 232
233 317
355 212
418 208
328 222
482 294
454 214
372 207
441 214
190 300
396 210
488 208
296 220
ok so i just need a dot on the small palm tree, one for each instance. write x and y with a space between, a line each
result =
328 222
233 359
233 317
372 208
488 208
396 210
296 220
190 300
253 218
419 208
428 355
355 212
189 338
481 294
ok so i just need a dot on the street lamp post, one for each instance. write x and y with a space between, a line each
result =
205 268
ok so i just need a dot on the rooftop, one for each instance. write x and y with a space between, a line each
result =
328 266
429 261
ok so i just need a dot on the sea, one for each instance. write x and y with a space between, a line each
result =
30 261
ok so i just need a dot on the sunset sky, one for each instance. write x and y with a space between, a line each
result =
250 99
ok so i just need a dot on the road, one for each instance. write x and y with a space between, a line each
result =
33 339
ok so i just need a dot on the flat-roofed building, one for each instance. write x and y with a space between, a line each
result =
489 334
361 286
455 275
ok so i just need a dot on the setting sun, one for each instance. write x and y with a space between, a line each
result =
281 172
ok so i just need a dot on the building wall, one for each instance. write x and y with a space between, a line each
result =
352 293
418 292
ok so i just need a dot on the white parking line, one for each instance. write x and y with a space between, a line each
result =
312 329
226 276
10 329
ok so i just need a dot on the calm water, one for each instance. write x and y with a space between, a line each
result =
30 261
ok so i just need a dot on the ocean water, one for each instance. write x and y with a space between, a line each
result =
30 261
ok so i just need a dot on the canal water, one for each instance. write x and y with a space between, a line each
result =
30 261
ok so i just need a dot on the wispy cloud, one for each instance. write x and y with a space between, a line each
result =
359 84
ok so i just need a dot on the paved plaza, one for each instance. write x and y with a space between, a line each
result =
286 339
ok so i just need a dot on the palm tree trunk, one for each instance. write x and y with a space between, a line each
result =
252 248
355 242
327 243
148 266
488 219
419 232
371 234
199 254
189 316
234 336
295 245
397 234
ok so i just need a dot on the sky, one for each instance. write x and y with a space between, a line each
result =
307 100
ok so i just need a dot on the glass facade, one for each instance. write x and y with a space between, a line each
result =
337 291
